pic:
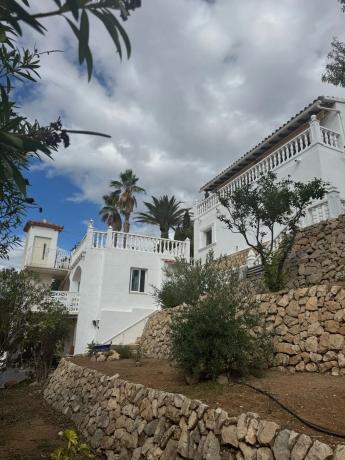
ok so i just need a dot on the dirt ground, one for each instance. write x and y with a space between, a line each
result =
317 398
28 427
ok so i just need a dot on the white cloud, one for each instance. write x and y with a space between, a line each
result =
206 81
15 258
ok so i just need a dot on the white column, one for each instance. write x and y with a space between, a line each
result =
89 234
251 258
334 202
315 130
109 242
187 253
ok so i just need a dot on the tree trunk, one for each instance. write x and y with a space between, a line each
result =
126 224
164 233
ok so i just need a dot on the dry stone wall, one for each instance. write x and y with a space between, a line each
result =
155 340
126 421
308 326
318 254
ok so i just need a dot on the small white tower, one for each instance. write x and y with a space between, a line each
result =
41 248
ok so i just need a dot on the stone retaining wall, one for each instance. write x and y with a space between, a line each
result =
318 254
127 421
308 326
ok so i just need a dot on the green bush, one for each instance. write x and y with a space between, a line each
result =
185 282
222 333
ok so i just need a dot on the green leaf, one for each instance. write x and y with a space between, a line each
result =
2 35
83 37
111 28
73 6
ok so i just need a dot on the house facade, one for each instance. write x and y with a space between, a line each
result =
309 145
106 282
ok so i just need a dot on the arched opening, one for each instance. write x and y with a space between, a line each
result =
75 282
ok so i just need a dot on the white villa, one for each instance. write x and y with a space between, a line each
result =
106 281
311 144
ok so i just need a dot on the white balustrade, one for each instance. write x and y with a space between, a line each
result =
70 300
283 154
78 251
99 239
141 243
329 137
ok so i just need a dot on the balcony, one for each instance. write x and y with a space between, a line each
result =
290 150
95 239
42 257
70 300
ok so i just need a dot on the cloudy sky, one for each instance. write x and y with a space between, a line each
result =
207 80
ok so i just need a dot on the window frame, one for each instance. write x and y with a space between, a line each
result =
203 232
141 270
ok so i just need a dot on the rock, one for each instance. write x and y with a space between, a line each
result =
281 445
284 301
341 360
339 453
315 329
229 435
286 348
301 447
311 367
280 359
311 344
249 453
192 421
293 308
151 427
264 453
312 304
101 358
266 432
211 450
183 443
251 431
242 425
336 341
114 356
222 380
319 451
170 452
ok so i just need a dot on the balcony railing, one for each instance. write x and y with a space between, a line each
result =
139 243
38 256
69 299
282 155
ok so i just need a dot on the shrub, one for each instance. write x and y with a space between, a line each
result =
185 282
222 333
32 325
74 448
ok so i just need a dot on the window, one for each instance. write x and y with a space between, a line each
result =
138 277
208 236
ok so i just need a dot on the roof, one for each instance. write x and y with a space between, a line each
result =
270 141
42 223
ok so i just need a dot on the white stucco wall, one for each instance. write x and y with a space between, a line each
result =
43 232
105 295
316 161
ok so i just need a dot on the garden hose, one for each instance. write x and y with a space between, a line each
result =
294 414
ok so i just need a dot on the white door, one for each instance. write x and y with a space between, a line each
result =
40 250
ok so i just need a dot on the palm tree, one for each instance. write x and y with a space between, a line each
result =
110 213
163 211
126 188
